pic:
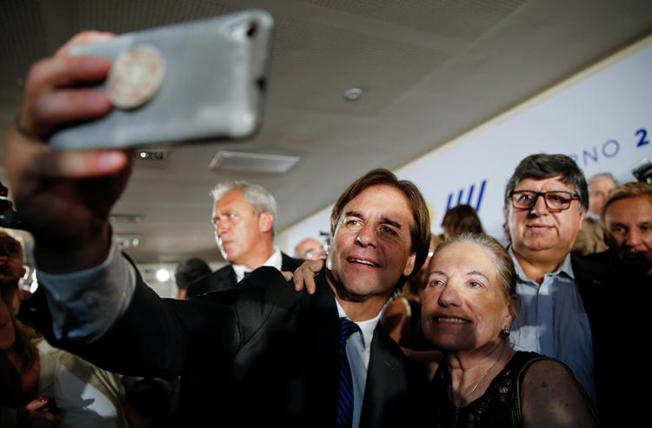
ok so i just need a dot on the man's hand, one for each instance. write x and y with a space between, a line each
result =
64 197
304 276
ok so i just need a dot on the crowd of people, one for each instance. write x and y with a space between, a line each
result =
401 328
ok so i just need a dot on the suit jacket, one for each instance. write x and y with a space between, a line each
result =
259 354
224 278
616 300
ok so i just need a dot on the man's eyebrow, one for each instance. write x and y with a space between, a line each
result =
391 222
353 214
618 223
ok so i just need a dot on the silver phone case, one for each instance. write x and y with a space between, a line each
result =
215 75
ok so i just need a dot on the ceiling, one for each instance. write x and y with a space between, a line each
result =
429 71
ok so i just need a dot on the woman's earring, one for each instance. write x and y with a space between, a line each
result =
504 332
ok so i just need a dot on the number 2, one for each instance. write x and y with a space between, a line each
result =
642 133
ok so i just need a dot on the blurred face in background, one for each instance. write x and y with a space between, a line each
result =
628 224
310 249
11 258
598 190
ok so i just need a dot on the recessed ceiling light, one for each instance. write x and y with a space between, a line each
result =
162 275
152 155
127 240
353 94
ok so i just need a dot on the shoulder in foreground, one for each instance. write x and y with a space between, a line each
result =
552 397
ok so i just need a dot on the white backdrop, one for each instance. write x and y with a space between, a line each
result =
601 117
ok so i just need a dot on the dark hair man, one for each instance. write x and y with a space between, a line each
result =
625 269
188 272
545 202
627 216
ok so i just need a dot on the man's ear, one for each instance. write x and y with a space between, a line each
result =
266 221
409 264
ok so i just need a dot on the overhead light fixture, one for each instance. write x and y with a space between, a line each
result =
162 275
152 155
127 240
226 160
353 94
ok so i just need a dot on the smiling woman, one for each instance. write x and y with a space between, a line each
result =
468 307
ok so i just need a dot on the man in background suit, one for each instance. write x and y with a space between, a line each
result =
243 220
590 238
286 354
620 283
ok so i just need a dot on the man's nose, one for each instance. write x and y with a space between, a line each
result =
221 228
366 236
633 238
539 208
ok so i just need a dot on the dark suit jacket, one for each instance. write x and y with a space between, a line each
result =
258 355
617 303
224 278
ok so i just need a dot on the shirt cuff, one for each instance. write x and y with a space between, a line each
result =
85 304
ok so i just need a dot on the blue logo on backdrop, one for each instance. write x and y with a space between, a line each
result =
466 197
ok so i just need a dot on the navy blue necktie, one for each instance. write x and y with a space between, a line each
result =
344 415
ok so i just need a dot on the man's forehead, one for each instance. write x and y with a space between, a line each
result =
602 182
627 206
230 199
381 201
549 183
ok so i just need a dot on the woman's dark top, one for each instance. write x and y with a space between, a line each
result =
498 407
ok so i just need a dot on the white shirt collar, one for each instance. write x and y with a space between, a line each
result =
275 261
366 327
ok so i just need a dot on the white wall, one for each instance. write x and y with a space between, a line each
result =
602 117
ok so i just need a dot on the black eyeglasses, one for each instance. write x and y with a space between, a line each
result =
557 200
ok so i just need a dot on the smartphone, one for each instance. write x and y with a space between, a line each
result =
204 81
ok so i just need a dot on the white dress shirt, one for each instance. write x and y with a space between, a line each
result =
275 261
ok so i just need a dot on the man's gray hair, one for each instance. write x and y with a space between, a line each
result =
602 175
256 195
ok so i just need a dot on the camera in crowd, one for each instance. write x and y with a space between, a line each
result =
643 171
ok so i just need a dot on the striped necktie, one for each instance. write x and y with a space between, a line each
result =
344 415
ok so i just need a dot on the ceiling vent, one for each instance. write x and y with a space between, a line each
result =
252 162
118 218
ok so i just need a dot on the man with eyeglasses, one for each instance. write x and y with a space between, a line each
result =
243 223
545 202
